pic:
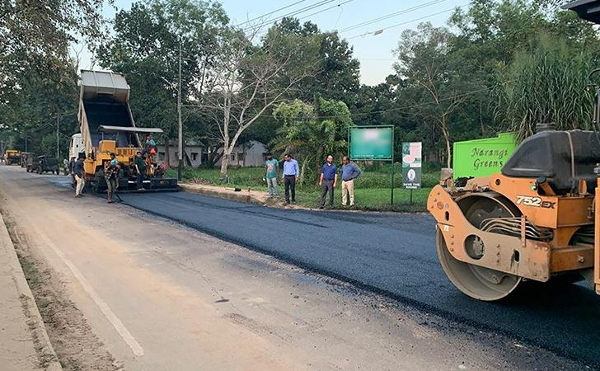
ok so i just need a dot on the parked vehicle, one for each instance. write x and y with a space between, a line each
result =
24 157
44 164
11 156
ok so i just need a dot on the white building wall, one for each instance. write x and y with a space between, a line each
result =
194 154
251 153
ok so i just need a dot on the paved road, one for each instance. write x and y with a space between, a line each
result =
394 255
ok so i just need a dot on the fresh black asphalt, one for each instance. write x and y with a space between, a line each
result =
391 254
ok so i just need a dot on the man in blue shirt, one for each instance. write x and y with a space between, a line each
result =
328 181
349 172
290 175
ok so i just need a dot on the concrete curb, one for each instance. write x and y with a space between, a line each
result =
38 328
242 196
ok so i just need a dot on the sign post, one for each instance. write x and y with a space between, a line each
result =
372 143
411 166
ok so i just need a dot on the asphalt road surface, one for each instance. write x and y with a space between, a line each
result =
391 254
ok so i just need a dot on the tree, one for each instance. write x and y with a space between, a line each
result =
247 80
35 33
436 79
38 78
312 131
146 47
336 70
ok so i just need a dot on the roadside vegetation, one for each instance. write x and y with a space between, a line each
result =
372 193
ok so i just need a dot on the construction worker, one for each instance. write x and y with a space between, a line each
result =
150 146
78 174
113 159
111 175
140 168
271 175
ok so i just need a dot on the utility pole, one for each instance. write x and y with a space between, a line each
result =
57 137
25 141
180 146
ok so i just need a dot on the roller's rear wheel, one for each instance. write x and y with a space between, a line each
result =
477 282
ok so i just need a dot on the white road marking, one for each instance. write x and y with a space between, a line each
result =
110 315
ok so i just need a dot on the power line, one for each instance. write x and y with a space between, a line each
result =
298 11
379 31
272 12
326 9
392 15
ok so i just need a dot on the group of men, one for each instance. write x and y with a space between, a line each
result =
137 168
328 179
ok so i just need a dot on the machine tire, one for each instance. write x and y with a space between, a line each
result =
475 281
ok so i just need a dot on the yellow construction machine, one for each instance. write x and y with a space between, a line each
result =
536 220
12 156
107 128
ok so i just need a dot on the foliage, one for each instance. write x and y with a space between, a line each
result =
146 46
311 132
434 77
546 84
38 80
247 80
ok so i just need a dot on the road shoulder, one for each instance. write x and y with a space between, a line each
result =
24 342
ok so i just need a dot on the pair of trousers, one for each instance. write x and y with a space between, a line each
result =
79 186
139 179
327 187
348 190
289 182
273 188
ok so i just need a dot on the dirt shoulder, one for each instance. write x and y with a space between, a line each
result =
24 343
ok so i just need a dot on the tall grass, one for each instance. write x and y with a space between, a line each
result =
546 84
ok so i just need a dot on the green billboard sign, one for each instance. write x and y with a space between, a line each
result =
371 142
482 157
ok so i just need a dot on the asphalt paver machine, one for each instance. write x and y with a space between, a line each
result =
537 219
107 127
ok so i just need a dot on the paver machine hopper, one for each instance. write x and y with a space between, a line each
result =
107 127
536 220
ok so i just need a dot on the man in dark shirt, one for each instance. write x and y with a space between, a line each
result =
140 168
111 175
328 181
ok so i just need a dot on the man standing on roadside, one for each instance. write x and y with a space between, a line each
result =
78 174
328 181
271 175
349 172
290 175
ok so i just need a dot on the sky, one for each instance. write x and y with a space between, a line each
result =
375 52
